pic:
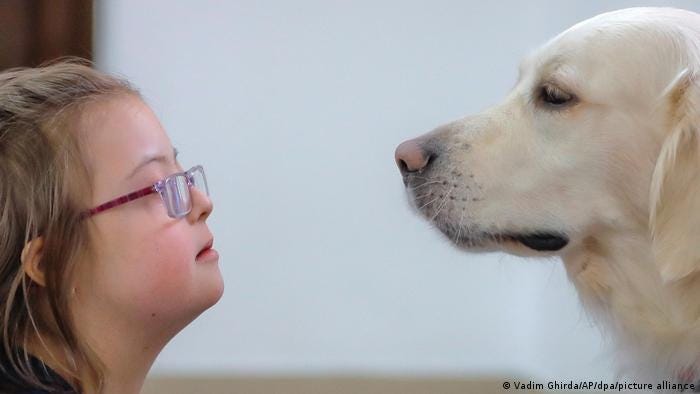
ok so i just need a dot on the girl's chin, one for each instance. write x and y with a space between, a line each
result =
181 311
213 290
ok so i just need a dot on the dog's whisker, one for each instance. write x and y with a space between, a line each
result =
422 196
428 203
424 178
442 204
459 228
423 184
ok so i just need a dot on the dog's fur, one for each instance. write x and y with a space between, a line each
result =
615 170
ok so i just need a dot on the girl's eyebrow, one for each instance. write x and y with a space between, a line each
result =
150 159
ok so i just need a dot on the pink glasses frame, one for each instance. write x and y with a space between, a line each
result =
157 187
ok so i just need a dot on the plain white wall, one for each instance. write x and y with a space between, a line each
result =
295 109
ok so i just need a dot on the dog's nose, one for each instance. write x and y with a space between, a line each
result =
412 157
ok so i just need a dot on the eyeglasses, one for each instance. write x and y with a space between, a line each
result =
174 190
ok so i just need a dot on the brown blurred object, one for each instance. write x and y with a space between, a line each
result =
35 31
314 384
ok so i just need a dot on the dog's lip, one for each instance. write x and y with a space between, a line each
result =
206 247
541 241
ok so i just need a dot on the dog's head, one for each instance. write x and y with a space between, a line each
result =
599 134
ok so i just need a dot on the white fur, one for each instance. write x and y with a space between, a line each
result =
618 172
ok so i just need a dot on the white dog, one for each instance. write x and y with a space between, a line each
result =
594 156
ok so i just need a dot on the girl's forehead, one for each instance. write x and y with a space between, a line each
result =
118 132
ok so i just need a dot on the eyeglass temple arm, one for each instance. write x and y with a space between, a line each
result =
121 200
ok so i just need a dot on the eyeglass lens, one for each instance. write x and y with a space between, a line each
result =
177 195
177 192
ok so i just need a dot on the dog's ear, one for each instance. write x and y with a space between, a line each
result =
675 187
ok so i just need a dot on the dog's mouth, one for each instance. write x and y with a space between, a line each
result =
543 242
540 241
470 236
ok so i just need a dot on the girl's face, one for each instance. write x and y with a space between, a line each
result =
145 271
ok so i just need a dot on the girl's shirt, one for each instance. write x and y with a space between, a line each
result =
10 382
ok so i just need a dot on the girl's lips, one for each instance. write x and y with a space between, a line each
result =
207 248
207 254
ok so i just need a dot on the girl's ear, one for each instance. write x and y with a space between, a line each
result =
674 217
31 260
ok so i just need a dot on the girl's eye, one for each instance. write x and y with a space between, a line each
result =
553 96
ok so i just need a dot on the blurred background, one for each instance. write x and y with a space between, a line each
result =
295 109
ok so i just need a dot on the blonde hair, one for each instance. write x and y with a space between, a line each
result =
43 192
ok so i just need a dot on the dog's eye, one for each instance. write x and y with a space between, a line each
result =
554 96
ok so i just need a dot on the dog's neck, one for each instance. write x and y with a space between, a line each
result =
612 269
620 286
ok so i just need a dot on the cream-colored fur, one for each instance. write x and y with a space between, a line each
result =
616 170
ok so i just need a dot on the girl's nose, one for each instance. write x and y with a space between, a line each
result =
201 205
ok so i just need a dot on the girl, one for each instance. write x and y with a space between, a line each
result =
105 253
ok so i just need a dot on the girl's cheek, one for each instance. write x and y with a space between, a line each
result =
159 277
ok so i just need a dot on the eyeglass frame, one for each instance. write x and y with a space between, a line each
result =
156 187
